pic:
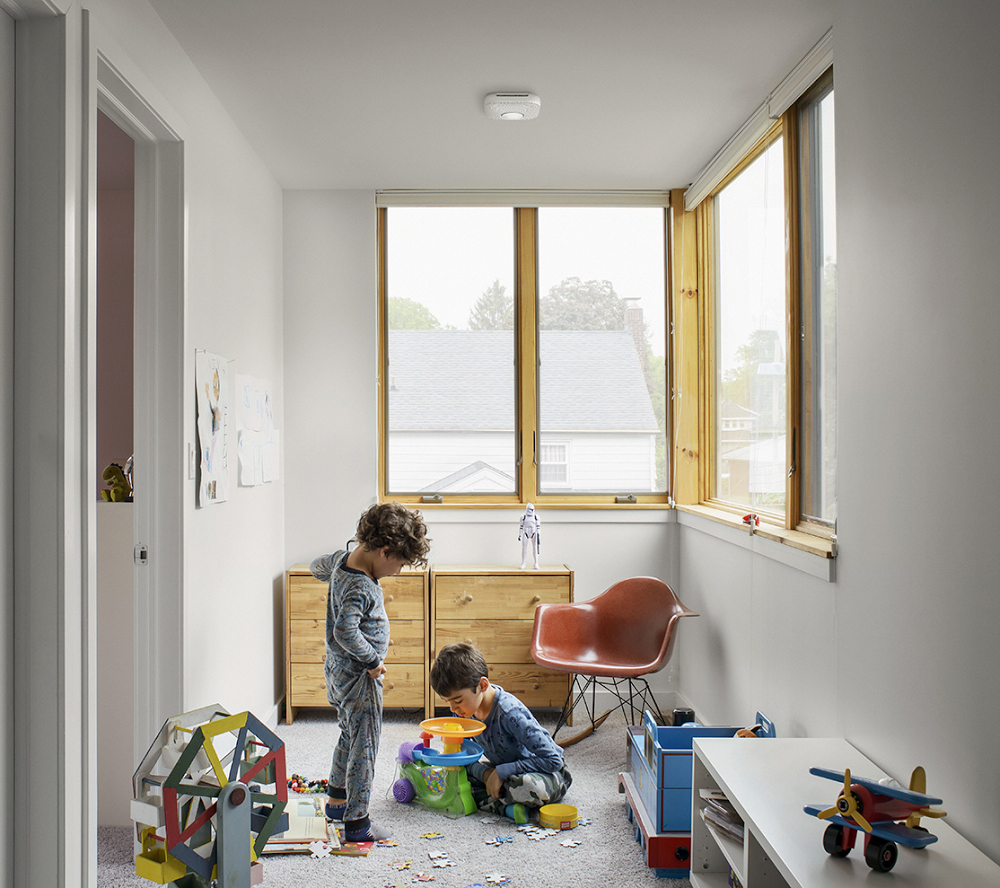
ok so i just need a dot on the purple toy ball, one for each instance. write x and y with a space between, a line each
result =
405 755
403 790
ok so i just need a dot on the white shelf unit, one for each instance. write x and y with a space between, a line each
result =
768 782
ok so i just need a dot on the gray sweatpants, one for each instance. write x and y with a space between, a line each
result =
359 709
532 790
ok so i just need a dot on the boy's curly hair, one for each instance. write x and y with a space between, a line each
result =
395 526
457 667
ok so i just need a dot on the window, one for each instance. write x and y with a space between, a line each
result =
515 338
819 307
754 312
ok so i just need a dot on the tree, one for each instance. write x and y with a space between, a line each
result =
763 347
406 314
575 305
494 310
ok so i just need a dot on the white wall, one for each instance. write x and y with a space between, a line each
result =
330 383
899 654
234 558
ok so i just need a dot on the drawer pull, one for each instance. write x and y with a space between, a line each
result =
391 642
467 597
536 599
535 686
390 597
391 686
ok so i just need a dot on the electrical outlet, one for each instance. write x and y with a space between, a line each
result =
191 462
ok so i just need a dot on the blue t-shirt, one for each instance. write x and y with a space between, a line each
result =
514 742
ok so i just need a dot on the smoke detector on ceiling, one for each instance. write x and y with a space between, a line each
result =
512 106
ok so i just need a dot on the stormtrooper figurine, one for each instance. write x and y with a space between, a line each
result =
530 535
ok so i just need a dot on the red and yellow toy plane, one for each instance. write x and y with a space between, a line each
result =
875 808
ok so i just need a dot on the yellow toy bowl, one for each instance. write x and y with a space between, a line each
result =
557 816
450 726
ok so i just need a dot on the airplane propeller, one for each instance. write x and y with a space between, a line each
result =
847 806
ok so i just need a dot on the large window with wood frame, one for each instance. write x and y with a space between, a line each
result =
755 306
523 353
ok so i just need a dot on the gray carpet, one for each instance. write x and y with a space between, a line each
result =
607 855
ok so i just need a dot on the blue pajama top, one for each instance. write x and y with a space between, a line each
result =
514 742
357 628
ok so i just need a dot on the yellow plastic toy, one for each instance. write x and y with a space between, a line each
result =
558 816
155 863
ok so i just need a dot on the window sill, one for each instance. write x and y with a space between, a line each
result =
811 554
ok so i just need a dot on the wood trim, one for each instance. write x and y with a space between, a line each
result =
793 301
686 353
526 348
382 433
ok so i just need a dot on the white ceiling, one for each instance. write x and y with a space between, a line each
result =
389 93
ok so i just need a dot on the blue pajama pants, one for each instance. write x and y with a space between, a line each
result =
359 710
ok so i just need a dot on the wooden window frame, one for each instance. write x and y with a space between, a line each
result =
692 351
526 397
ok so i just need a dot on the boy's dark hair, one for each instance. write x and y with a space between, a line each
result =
395 526
457 667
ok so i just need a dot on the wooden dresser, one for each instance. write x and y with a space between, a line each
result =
493 608
406 603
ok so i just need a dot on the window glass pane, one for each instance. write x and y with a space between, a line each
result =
819 312
602 373
450 377
750 343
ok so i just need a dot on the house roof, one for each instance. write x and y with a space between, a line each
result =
447 380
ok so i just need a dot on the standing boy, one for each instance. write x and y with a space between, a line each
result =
524 767
357 638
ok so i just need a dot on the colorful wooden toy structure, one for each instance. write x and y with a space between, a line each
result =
199 804
437 779
874 808
657 787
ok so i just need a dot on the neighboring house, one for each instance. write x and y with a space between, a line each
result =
452 412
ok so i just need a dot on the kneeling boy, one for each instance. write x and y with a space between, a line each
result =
524 766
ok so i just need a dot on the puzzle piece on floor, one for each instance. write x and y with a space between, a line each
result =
497 879
402 864
319 850
432 835
584 821
386 843
570 843
499 840
423 877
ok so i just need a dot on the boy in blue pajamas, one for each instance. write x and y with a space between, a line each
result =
524 766
357 638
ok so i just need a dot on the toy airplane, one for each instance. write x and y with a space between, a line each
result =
874 808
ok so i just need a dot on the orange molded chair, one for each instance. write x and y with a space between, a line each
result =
611 641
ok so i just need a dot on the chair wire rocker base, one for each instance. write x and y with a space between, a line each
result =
632 694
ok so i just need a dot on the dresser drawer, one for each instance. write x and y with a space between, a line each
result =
308 641
533 686
499 641
402 685
497 597
404 598
403 595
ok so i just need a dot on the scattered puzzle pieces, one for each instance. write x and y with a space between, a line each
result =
319 850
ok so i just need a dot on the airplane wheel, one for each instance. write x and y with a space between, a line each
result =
881 856
832 838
